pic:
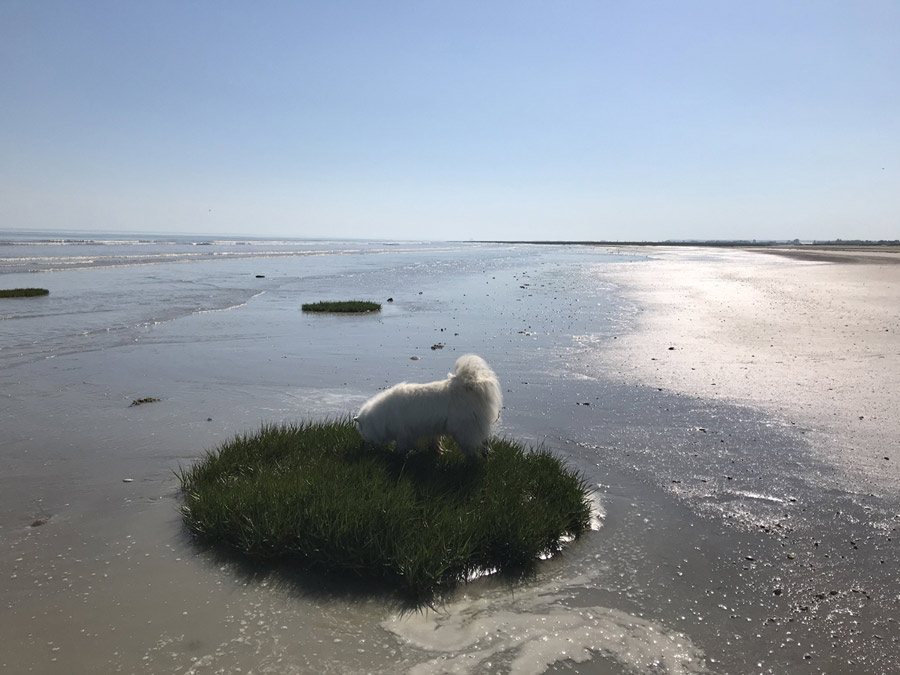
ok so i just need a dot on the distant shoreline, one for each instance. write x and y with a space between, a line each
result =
892 245
874 253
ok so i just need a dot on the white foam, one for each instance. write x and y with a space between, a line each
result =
598 513
230 307
525 632
758 496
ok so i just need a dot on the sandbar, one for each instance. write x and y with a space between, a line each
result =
811 336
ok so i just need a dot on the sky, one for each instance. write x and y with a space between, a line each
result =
570 120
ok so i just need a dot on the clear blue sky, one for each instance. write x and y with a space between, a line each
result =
453 120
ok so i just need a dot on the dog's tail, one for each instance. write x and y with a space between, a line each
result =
476 375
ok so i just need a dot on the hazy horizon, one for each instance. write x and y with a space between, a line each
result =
228 236
586 121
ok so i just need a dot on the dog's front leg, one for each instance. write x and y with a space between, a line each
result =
403 445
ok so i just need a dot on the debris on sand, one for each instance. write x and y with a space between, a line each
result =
142 401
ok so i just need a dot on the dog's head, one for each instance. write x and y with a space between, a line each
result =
363 427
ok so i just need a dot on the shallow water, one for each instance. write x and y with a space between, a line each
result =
715 545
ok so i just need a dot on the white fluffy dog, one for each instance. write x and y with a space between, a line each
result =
464 406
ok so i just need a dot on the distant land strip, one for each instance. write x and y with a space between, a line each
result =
880 252
736 243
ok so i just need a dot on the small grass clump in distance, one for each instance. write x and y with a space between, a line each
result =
23 292
343 307
319 494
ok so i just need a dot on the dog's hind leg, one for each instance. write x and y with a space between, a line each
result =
473 445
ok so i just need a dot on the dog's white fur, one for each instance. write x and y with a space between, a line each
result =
464 406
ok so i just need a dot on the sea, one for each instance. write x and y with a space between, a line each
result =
681 573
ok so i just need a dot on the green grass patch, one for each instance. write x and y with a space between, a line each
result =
343 307
23 292
319 494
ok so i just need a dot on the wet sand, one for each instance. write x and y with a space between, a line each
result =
732 541
810 335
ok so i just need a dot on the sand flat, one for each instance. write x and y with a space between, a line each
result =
714 513
811 336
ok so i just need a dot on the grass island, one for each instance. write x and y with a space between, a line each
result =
342 307
316 493
23 292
